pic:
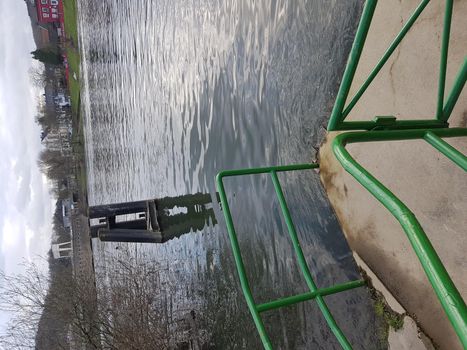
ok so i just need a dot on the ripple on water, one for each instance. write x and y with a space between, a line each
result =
175 91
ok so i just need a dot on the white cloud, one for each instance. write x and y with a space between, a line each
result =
25 203
11 235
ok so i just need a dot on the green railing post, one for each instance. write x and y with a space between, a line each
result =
456 90
444 58
352 63
385 57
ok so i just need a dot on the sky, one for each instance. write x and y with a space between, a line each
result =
26 206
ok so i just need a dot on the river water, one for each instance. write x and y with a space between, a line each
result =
173 91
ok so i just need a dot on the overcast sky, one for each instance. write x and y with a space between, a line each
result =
25 203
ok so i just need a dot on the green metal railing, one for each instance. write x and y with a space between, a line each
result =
314 293
443 112
379 129
390 129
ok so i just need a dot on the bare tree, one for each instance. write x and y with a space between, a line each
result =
37 75
55 164
120 314
130 314
23 297
47 118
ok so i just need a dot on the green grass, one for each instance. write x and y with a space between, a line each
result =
392 319
389 318
379 307
72 52
73 56
74 87
71 20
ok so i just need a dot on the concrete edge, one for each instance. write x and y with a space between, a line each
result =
410 336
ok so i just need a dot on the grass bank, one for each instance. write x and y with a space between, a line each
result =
72 53
73 56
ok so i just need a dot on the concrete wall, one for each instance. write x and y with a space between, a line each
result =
433 188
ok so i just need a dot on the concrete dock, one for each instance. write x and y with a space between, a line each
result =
433 187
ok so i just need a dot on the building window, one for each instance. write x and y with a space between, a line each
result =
54 10
44 2
45 15
54 15
45 10
54 2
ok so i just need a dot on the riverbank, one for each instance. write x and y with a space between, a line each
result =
73 58
432 186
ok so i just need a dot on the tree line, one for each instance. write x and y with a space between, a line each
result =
56 159
59 310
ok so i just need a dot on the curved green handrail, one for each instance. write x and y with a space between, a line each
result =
446 291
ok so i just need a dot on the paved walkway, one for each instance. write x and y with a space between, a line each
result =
82 252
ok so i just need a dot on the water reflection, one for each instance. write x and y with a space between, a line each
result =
183 214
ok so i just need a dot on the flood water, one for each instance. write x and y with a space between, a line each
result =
174 91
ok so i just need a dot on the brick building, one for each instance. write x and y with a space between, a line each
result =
49 11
